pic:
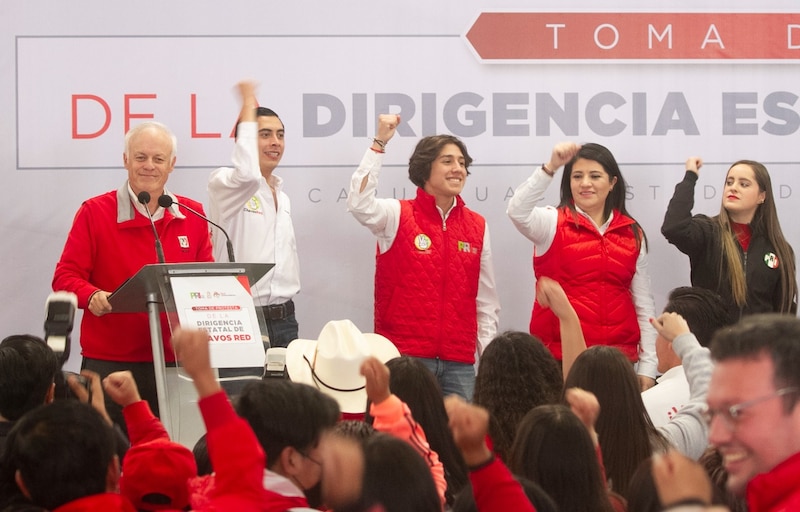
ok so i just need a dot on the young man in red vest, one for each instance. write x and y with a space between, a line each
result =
435 295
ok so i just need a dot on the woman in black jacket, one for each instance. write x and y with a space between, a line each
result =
741 254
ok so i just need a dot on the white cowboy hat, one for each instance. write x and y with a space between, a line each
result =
332 363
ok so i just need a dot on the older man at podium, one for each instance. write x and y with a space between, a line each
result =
112 236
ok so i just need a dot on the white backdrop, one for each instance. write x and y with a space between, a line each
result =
72 72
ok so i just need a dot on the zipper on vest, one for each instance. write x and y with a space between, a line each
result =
444 298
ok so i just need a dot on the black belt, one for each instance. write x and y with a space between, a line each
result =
278 311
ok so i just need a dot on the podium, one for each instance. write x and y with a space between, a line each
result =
208 295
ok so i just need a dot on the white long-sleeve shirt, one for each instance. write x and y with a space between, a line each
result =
539 224
261 231
382 215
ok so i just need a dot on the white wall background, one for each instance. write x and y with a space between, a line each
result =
360 53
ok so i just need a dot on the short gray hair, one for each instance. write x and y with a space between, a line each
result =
150 125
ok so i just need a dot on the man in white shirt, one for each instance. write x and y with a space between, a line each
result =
247 199
704 312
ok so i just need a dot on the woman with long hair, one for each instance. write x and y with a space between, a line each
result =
516 374
595 249
626 433
554 449
415 385
741 254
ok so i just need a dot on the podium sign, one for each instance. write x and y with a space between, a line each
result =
223 306
188 294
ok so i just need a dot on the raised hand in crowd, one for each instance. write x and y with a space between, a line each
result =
469 424
670 325
121 388
191 348
377 376
586 407
550 294
682 482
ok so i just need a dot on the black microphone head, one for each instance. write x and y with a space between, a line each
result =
144 197
165 201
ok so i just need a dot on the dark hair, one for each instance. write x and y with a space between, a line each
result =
553 448
616 197
284 413
765 221
770 334
711 461
642 495
626 432
355 429
415 385
541 501
266 112
62 450
28 369
517 373
396 477
201 458
703 310
260 112
428 148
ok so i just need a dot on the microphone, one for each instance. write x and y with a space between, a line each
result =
165 201
144 198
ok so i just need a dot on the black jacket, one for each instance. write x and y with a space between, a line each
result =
698 237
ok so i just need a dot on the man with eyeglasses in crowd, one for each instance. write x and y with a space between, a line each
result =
753 416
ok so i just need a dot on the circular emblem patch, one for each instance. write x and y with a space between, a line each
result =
422 242
771 259
253 204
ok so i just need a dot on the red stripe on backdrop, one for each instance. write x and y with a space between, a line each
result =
620 35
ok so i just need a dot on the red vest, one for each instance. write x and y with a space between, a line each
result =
426 284
596 272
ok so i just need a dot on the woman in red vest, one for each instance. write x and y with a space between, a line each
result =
592 247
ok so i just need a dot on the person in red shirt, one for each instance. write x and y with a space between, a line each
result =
110 240
753 417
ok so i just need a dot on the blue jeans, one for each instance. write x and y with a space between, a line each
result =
281 332
454 378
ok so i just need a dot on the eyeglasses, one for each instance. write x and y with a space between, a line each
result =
732 415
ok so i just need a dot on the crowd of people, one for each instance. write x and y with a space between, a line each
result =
602 404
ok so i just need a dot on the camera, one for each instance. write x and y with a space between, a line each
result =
59 318
64 391
60 308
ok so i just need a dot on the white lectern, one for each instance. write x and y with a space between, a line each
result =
213 296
